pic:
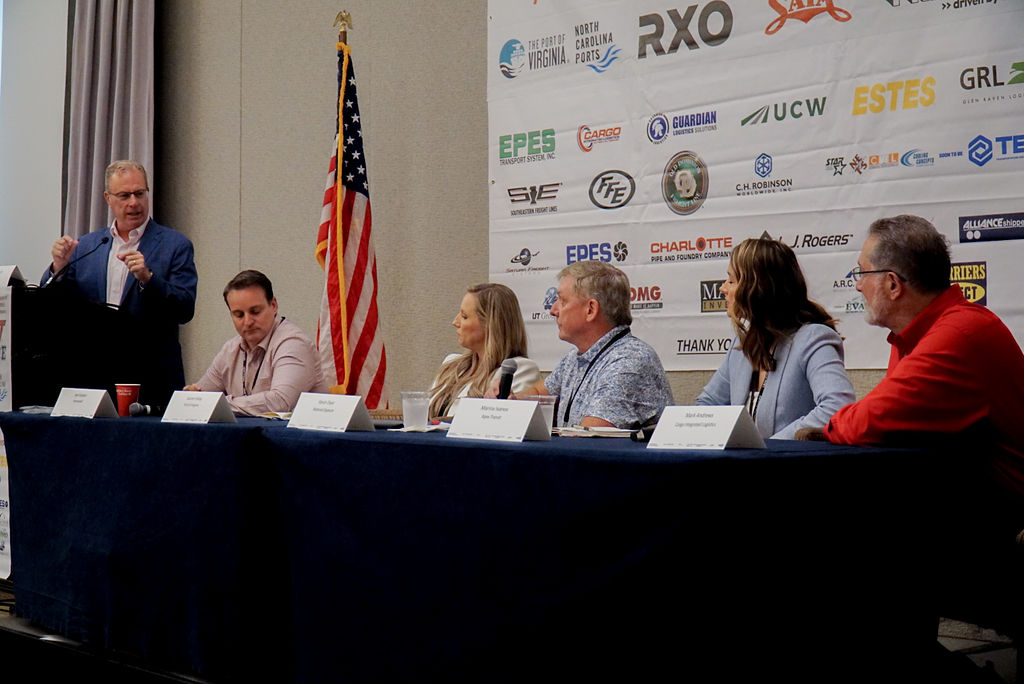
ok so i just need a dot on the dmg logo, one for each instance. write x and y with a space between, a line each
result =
803 10
714 26
893 95
780 111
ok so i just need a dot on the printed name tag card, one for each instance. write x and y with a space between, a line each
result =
333 412
705 427
84 403
502 420
198 407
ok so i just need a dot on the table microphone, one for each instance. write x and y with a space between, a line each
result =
58 274
137 409
508 369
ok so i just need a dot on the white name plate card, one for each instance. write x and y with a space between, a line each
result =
198 407
333 412
705 427
502 420
84 403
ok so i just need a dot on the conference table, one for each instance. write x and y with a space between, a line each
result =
254 550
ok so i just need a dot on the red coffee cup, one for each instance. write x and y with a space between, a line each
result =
127 394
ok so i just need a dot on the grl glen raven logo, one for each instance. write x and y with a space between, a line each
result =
711 32
684 183
803 10
781 111
612 189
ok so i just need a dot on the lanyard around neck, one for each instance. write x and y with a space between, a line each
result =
572 397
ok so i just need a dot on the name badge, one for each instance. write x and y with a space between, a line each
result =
705 427
84 403
198 407
332 412
502 420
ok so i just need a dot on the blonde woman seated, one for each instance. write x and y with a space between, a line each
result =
490 326
786 363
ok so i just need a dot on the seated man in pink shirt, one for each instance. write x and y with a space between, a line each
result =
271 361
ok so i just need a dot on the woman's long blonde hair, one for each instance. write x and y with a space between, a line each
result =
504 337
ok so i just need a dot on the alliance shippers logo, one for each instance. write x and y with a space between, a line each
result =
714 26
992 227
803 10
972 277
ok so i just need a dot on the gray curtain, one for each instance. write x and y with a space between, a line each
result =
110 102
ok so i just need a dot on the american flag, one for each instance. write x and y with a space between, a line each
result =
348 332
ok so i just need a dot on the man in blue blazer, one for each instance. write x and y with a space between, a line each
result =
140 266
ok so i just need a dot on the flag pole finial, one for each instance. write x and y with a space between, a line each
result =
344 22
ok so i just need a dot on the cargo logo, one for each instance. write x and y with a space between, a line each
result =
612 189
522 148
644 297
595 49
763 166
684 183
596 251
538 53
803 10
703 345
703 248
711 33
992 227
532 194
894 95
780 111
587 136
711 298
981 150
972 277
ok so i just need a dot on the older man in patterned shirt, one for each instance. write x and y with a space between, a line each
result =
613 379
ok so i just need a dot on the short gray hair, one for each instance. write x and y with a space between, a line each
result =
605 283
122 166
911 246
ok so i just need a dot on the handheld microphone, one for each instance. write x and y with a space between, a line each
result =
137 409
508 369
58 274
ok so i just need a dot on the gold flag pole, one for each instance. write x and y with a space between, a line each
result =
344 21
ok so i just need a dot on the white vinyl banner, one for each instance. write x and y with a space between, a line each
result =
657 137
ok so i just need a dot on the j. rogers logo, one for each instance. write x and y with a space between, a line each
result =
803 10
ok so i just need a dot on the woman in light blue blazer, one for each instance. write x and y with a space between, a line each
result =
786 363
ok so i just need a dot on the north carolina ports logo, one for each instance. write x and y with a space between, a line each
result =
803 10
684 183
512 58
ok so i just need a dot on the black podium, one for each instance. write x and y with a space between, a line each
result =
59 339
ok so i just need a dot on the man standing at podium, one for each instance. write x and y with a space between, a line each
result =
139 265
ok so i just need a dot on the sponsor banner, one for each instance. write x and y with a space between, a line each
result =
657 138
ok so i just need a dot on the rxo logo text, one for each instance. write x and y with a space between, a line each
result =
708 36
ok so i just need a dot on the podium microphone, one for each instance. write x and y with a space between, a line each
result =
58 274
508 369
137 409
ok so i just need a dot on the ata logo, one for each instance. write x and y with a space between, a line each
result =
612 189
684 183
803 10
786 110
682 29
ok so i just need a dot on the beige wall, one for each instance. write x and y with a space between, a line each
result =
245 121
